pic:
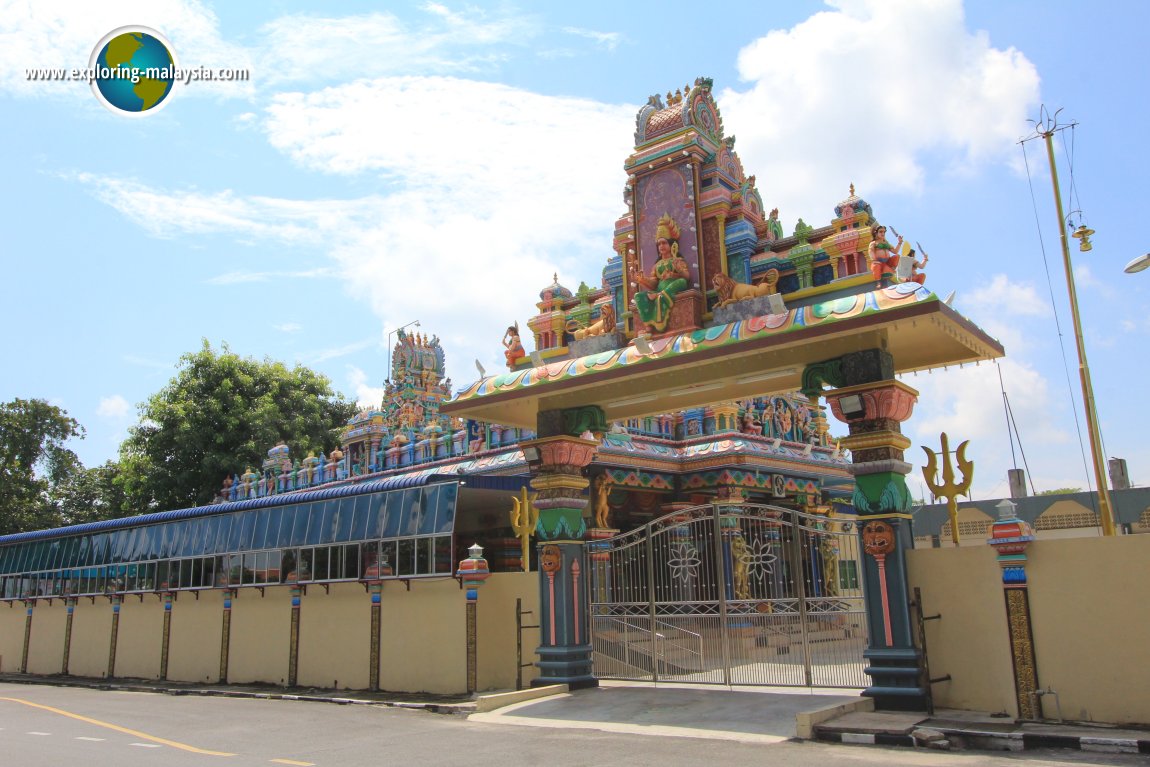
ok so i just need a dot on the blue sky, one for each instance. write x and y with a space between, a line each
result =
439 161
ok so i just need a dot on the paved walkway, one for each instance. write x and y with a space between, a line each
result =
754 714
749 714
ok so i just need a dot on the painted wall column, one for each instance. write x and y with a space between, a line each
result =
557 461
375 588
473 572
168 597
70 606
293 637
873 404
28 605
116 600
1010 536
226 634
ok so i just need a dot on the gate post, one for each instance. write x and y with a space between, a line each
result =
557 460
873 405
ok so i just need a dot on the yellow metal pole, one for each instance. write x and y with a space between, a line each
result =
1104 508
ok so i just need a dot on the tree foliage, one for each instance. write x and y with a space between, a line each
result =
89 495
33 460
1061 491
219 415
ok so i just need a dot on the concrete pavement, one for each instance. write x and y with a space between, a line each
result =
747 714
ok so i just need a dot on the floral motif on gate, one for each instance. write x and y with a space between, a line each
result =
684 561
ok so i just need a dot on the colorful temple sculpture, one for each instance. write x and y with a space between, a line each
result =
665 444
714 303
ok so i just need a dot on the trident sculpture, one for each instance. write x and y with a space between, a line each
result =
524 518
948 488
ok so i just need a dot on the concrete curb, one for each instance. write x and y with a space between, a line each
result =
806 721
493 701
987 740
463 707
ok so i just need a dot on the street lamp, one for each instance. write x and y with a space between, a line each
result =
1138 264
389 335
1045 129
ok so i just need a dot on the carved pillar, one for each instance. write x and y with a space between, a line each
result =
375 588
557 461
473 572
28 605
70 605
1010 536
116 600
226 633
166 636
873 405
293 636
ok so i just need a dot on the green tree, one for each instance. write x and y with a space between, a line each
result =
220 414
89 495
1061 491
33 460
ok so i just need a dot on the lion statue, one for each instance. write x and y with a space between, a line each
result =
730 291
605 324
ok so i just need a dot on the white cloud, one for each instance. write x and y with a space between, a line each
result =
609 40
298 48
1004 297
234 278
365 396
859 93
967 404
498 188
288 327
113 407
341 351
169 214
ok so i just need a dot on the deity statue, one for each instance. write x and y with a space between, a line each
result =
741 581
602 509
514 350
668 277
915 274
829 550
882 256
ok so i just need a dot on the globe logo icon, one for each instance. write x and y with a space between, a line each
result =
134 70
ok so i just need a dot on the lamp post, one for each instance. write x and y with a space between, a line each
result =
389 335
1138 264
1046 130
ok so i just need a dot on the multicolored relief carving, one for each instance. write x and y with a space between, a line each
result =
878 541
894 497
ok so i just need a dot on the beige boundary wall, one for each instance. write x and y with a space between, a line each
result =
11 635
1090 615
423 644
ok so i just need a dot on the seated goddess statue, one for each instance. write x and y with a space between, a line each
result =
668 277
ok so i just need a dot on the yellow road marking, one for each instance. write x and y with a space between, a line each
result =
289 761
118 728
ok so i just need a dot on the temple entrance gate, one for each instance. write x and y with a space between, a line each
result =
737 594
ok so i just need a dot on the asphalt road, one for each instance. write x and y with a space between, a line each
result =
43 726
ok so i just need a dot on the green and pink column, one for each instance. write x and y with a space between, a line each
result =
873 405
558 459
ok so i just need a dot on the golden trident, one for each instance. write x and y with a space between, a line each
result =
948 488
524 518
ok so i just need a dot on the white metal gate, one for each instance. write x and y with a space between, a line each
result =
731 594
